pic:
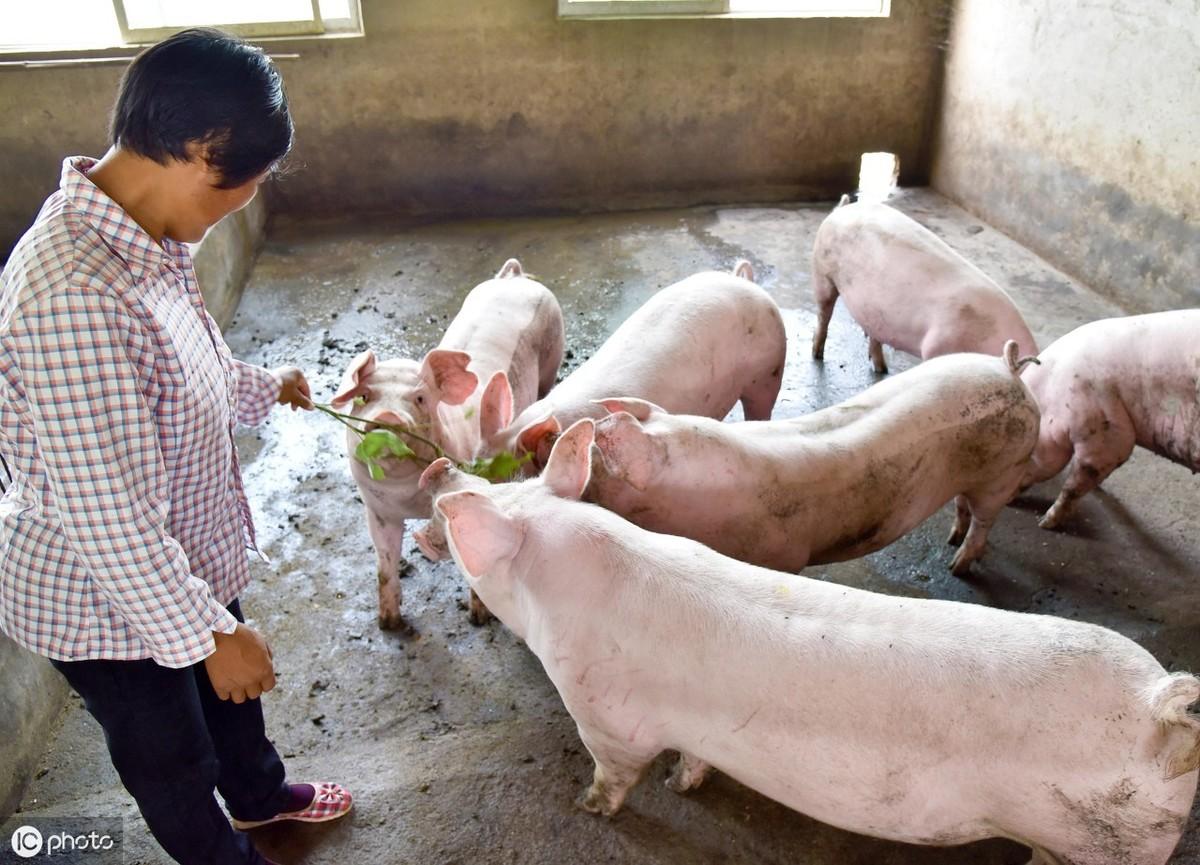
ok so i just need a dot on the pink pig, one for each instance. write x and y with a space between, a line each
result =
1108 386
833 485
509 325
906 288
698 346
920 721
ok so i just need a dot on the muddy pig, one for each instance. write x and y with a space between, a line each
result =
509 325
1110 385
906 288
833 485
919 721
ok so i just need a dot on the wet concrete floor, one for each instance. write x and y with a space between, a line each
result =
452 738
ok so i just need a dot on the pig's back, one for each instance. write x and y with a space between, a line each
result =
686 349
896 277
893 462
501 313
513 325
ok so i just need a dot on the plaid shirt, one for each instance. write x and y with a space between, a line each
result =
123 534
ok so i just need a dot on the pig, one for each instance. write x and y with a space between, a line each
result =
698 346
920 721
833 485
1110 385
509 325
906 288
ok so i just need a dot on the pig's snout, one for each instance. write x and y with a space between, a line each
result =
426 544
387 418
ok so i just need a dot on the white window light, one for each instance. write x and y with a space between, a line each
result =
724 8
877 176
91 24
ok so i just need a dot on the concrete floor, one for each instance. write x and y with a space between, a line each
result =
452 738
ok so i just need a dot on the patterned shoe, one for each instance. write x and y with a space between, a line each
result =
330 802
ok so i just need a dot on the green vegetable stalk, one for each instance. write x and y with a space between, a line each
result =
390 440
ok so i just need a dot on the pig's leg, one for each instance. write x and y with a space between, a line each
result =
1096 457
962 521
617 771
478 613
688 774
875 352
985 505
826 295
388 538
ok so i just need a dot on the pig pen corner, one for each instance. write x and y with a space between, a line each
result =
456 745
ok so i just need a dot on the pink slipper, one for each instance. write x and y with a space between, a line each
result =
330 802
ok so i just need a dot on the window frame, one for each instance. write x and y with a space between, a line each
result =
49 54
593 10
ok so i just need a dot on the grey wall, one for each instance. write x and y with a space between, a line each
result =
1073 127
494 106
464 106
31 694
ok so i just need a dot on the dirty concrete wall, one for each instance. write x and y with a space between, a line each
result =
31 695
467 107
1073 128
460 106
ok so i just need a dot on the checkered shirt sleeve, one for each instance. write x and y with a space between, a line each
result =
257 391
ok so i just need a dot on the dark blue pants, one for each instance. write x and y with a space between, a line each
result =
172 740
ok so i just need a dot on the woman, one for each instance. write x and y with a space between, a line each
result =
123 535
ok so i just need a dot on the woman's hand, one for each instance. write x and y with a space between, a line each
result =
240 669
295 391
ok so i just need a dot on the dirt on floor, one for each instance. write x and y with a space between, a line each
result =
452 738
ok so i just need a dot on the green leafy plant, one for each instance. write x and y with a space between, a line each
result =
391 440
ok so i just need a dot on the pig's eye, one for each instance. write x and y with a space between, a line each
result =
420 399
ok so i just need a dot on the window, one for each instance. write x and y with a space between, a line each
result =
724 8
40 25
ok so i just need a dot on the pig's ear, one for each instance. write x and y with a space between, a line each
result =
480 536
627 451
354 381
433 472
496 406
532 438
570 465
447 371
639 408
511 268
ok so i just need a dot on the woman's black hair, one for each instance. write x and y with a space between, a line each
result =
204 87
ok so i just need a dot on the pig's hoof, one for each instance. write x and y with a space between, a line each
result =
478 614
687 775
594 801
1050 521
390 621
956 537
961 565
